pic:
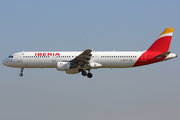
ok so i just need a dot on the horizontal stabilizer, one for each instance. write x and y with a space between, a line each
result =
165 54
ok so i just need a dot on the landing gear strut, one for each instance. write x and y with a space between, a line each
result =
84 73
21 74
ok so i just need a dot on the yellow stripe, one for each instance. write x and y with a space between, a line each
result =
167 30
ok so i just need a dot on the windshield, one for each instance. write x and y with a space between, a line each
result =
10 56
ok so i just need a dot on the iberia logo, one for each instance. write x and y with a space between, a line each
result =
47 54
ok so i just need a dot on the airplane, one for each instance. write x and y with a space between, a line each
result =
82 62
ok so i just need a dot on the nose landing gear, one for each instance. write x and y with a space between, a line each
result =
21 74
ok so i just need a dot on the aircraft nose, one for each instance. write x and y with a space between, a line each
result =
5 62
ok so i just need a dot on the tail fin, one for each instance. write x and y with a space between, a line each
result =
163 42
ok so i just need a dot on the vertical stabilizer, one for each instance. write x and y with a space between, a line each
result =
163 42
158 50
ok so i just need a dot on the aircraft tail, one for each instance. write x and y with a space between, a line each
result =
163 42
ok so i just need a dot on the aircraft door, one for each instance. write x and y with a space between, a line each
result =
19 58
53 58
143 58
96 57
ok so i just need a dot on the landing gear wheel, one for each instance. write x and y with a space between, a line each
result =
89 75
84 73
20 74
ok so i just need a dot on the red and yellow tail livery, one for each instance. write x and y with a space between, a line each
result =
158 50
163 42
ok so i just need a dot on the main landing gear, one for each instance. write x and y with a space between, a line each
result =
84 73
21 74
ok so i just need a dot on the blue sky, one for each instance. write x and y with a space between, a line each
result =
148 92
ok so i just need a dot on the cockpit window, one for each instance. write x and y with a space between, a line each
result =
10 56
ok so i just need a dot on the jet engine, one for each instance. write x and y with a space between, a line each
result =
63 66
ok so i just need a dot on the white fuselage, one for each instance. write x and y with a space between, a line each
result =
49 59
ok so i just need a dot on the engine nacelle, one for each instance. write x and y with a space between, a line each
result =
63 66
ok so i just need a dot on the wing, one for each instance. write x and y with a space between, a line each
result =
82 59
